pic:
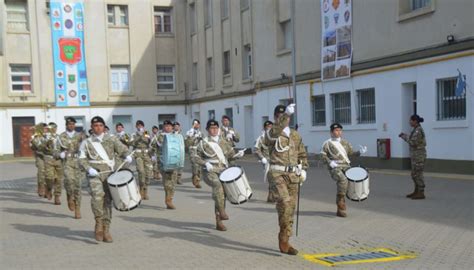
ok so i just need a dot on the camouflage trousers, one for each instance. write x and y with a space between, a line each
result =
196 169
72 179
40 175
101 199
156 166
54 174
179 174
218 195
144 168
169 182
417 168
285 191
337 174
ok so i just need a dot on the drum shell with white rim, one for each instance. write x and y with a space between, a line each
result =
236 185
358 183
124 190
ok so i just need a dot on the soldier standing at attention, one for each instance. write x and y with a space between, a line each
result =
193 137
155 131
97 155
37 144
177 130
214 154
335 154
140 143
53 164
124 138
288 165
263 154
417 142
70 141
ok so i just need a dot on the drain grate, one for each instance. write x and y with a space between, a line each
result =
377 255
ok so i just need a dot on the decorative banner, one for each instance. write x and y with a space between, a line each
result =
70 76
336 45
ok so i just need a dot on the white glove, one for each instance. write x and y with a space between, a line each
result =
231 132
209 166
290 109
62 155
190 133
153 158
264 161
362 149
240 154
333 164
230 136
92 172
129 159
302 176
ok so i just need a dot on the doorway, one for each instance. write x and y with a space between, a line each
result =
22 132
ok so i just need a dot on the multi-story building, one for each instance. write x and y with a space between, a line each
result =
202 59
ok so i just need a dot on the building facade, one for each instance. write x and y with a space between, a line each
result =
187 59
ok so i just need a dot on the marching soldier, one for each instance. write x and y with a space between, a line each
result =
263 154
143 155
97 158
193 137
70 141
288 165
37 144
124 138
417 142
53 164
177 130
335 154
156 163
229 133
214 153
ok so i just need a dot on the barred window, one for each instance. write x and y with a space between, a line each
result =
165 78
450 106
20 78
163 20
318 105
341 108
117 15
366 106
120 79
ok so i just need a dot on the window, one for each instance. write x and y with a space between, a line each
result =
120 78
117 15
226 63
450 106
211 115
408 9
20 78
318 104
244 4
209 73
192 18
417 4
414 99
79 122
126 121
194 77
165 78
247 62
224 9
284 35
230 113
208 12
366 106
17 15
341 108
163 20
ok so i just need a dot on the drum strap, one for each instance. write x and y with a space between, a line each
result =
99 149
340 149
218 150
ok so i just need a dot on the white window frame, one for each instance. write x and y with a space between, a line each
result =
226 65
16 10
162 12
315 110
21 73
117 12
194 78
337 106
247 62
363 106
165 74
209 72
120 71
442 98
224 9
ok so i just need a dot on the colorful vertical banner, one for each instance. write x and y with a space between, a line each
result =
336 45
70 76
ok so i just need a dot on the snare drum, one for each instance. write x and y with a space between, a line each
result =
236 185
124 190
358 186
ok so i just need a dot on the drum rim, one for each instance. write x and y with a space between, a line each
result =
354 200
356 181
123 184
231 181
129 209
237 203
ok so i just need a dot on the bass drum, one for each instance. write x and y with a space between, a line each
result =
358 185
172 154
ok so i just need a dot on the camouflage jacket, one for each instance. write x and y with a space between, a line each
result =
70 145
260 149
157 142
205 153
88 156
52 146
235 138
193 136
285 150
124 138
37 144
140 140
416 140
330 152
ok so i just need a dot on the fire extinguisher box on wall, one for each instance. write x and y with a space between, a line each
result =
383 148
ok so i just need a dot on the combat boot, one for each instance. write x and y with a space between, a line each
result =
178 181
142 193
219 225
107 236
341 206
145 193
196 181
77 211
419 195
70 203
99 229
169 202
284 245
270 198
49 194
57 200
413 193
157 176
223 215
41 191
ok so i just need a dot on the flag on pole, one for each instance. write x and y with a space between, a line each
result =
460 85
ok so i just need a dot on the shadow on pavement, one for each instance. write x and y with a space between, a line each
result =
58 232
34 212
23 197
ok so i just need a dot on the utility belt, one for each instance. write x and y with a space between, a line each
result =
98 162
142 150
40 154
51 157
289 169
72 155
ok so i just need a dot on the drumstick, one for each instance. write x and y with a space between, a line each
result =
123 163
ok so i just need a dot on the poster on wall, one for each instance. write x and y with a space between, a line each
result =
70 76
336 45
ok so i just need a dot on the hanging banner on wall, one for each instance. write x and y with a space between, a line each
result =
336 45
70 76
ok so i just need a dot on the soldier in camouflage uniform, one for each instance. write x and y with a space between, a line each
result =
70 140
335 154
140 143
156 164
98 164
417 142
227 132
53 164
37 144
288 165
213 153
263 154
124 138
177 130
193 137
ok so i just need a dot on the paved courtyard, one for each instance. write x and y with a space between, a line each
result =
35 234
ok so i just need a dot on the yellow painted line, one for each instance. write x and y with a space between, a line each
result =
319 258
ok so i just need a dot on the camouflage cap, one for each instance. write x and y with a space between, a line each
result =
211 123
97 119
335 125
267 123
279 109
70 120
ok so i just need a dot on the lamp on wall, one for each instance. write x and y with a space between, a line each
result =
450 39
